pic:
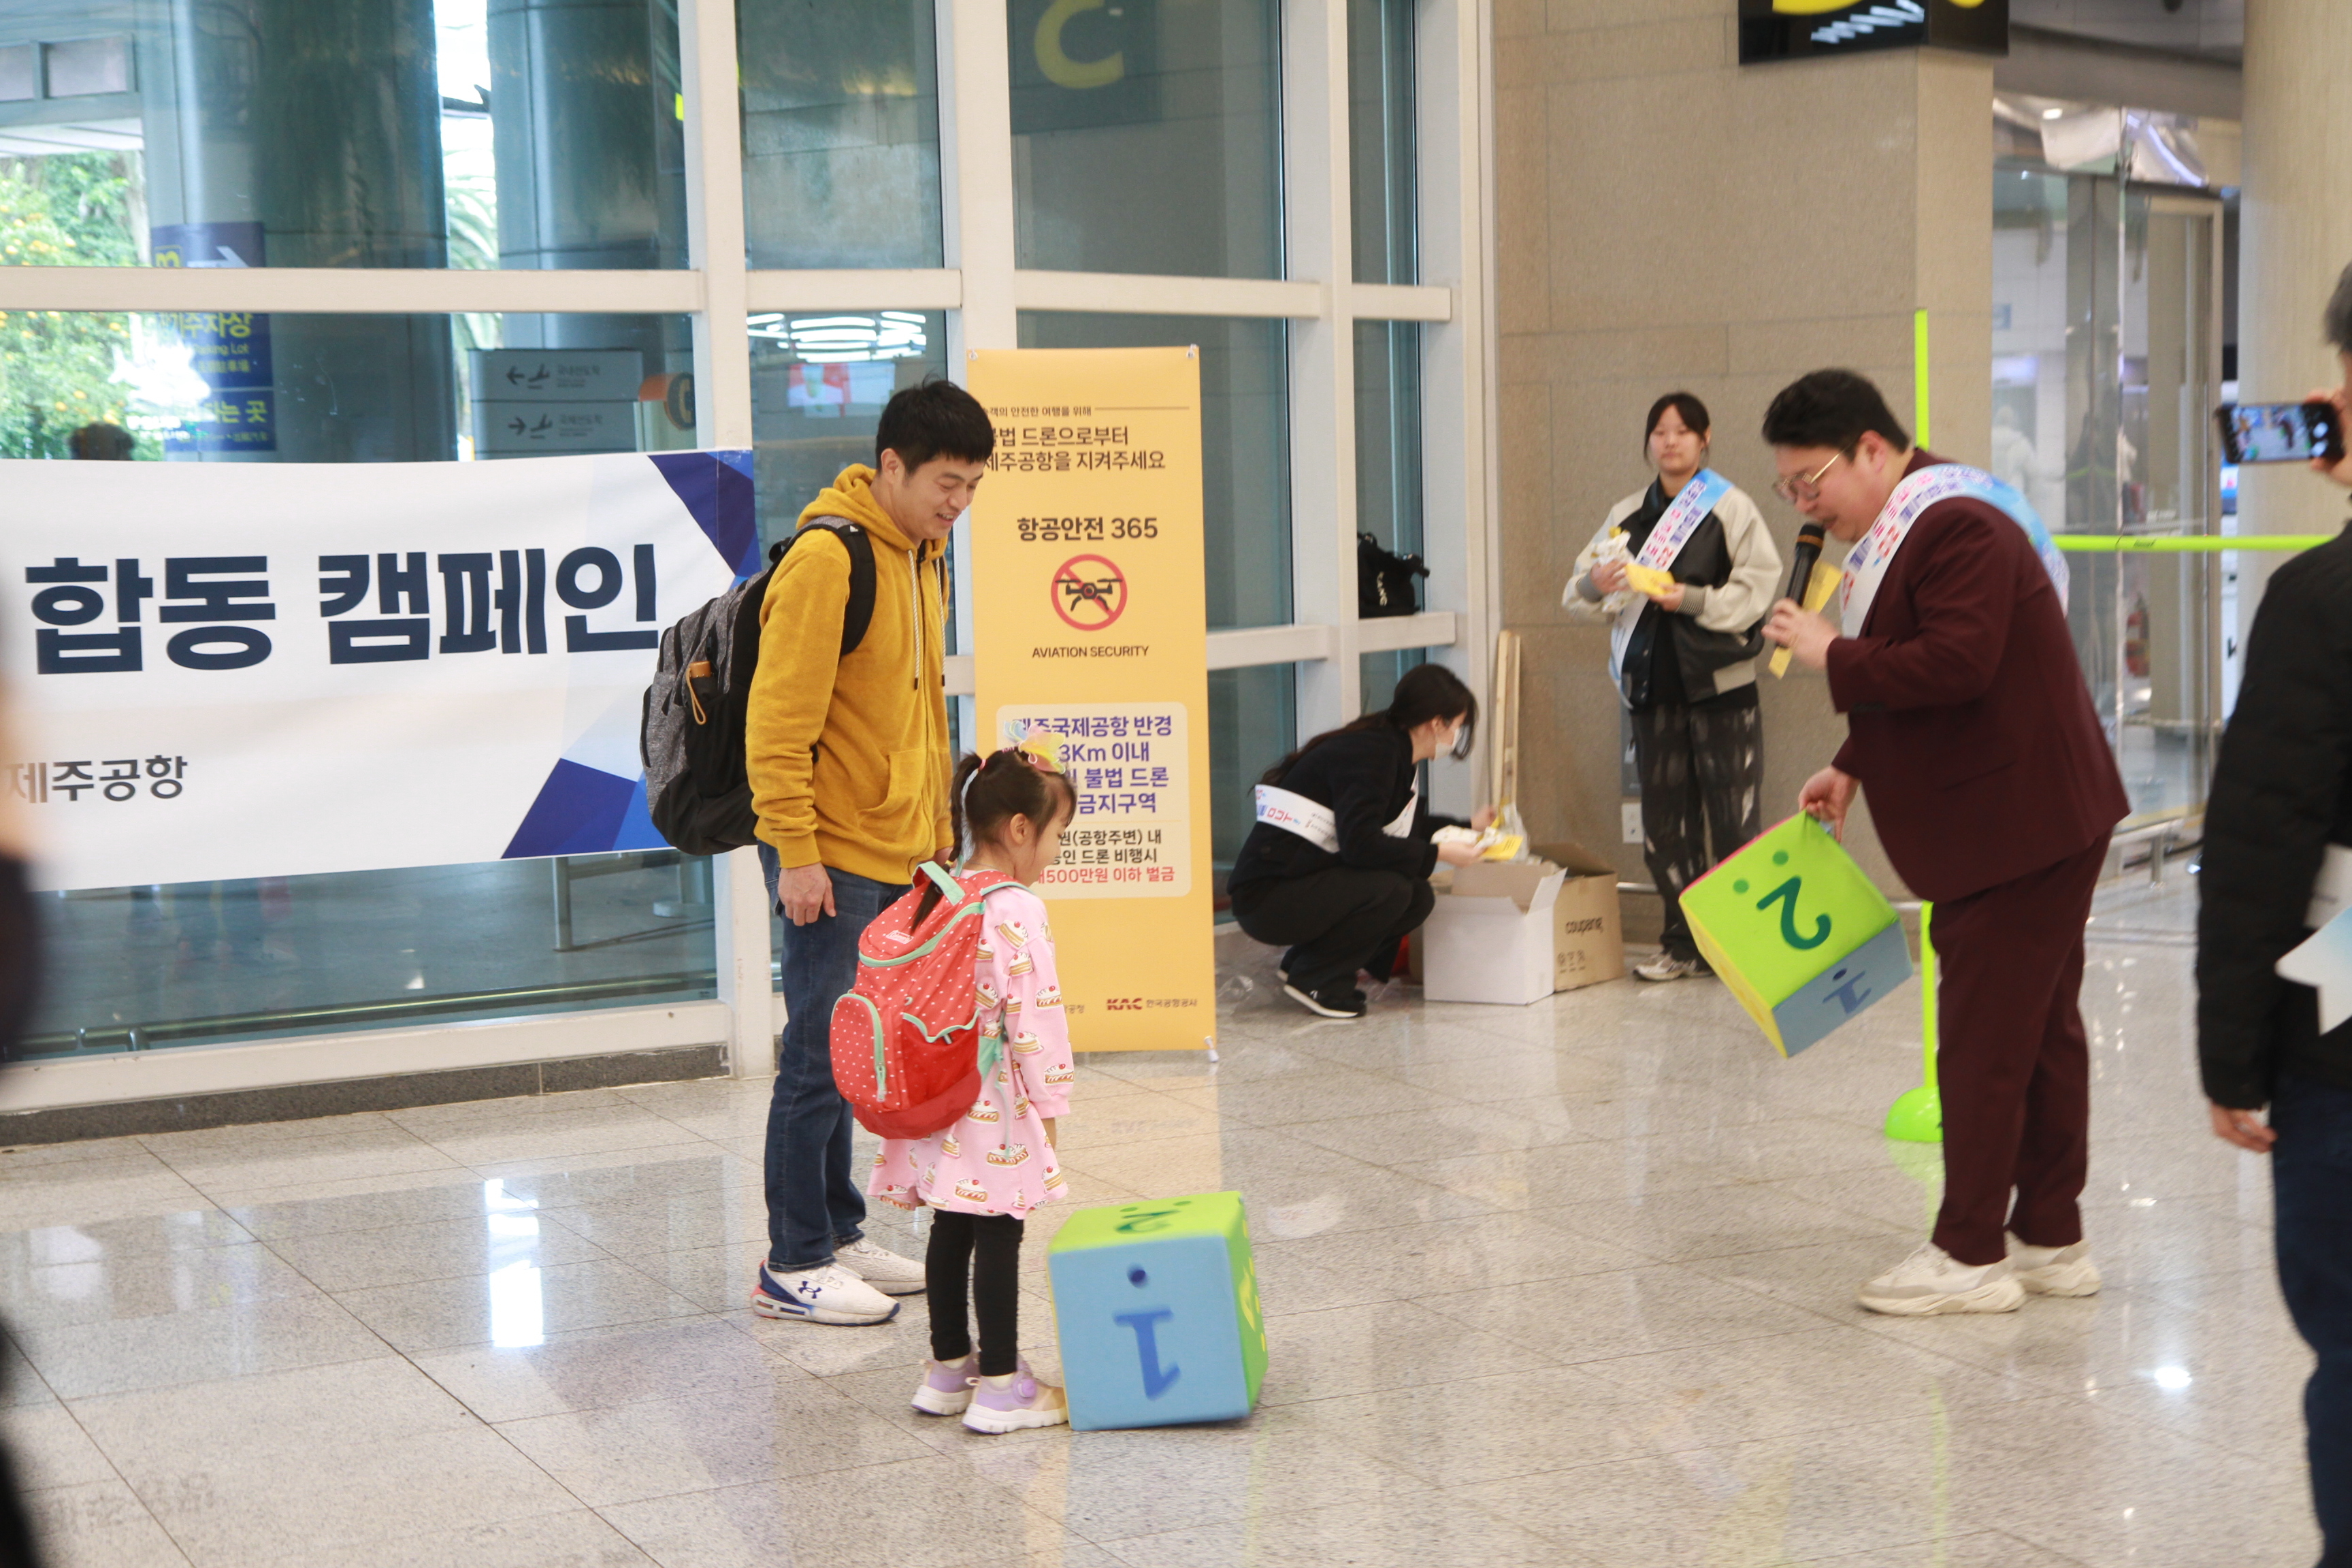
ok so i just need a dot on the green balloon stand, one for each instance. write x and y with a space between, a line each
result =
1917 1115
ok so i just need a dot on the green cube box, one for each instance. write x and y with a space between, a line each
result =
1797 932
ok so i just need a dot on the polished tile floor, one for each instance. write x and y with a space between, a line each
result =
1568 1285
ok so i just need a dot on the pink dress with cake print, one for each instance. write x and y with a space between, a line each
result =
996 1159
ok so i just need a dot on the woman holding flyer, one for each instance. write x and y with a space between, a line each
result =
1684 571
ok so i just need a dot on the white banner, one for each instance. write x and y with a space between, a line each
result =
229 670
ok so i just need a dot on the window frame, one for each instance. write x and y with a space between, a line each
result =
981 291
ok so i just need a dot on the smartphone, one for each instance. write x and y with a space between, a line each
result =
2280 431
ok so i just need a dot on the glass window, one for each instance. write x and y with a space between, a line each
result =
1146 136
1388 468
818 384
133 968
841 132
1388 433
1252 724
519 133
254 386
1382 671
226 387
1245 439
201 962
1380 140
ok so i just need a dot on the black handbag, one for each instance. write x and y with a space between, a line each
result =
1384 581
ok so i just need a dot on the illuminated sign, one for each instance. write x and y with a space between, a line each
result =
1808 29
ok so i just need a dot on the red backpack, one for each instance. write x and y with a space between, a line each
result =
906 1040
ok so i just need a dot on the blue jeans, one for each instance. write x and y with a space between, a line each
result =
814 1204
2311 1167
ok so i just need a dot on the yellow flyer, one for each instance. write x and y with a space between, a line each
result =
1090 621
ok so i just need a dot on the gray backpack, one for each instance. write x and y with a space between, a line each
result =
697 707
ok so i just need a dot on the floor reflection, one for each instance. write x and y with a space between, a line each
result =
517 1316
1571 1285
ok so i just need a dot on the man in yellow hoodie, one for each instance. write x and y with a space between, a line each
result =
849 764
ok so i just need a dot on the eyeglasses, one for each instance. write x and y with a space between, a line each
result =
1799 490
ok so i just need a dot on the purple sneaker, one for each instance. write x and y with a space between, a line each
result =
946 1388
1015 1401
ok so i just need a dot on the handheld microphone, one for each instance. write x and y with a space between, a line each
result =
1807 552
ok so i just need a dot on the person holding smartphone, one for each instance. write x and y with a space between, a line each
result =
2277 861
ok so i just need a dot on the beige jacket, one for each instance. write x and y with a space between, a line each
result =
1738 603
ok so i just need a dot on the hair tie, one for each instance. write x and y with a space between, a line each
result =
1039 748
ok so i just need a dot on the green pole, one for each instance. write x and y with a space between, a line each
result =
2196 545
1919 372
1917 1115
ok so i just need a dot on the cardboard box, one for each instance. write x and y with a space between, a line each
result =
1492 936
1589 939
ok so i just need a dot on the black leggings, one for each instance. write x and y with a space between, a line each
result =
1334 921
987 1247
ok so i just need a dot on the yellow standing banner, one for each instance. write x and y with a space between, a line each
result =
1090 621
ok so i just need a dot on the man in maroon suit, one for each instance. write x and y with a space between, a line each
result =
1994 792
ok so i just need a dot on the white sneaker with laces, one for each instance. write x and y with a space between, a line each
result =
2054 1270
880 1268
1931 1280
1665 966
828 1295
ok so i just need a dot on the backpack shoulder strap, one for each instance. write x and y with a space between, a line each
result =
859 614
952 889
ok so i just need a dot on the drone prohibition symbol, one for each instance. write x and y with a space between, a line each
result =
1089 592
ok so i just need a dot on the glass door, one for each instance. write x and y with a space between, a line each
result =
2106 371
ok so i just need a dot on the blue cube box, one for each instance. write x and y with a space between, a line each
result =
1844 989
1159 1312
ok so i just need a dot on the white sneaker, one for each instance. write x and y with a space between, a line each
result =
2054 1270
1931 1280
1665 966
828 1295
881 1268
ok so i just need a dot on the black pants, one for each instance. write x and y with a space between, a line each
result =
1702 775
17 1547
1334 921
2311 1172
987 1247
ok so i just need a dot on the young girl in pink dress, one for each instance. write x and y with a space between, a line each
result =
981 1175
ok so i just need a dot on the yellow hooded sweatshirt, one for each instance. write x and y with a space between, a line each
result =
848 757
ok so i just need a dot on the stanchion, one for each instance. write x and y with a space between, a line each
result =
1917 1115
2185 544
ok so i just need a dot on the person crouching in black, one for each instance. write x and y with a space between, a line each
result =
1337 868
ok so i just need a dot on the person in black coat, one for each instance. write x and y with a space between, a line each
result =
1337 867
19 964
2277 861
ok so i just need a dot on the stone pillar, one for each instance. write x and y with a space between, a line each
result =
1667 218
2295 237
589 155
320 120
